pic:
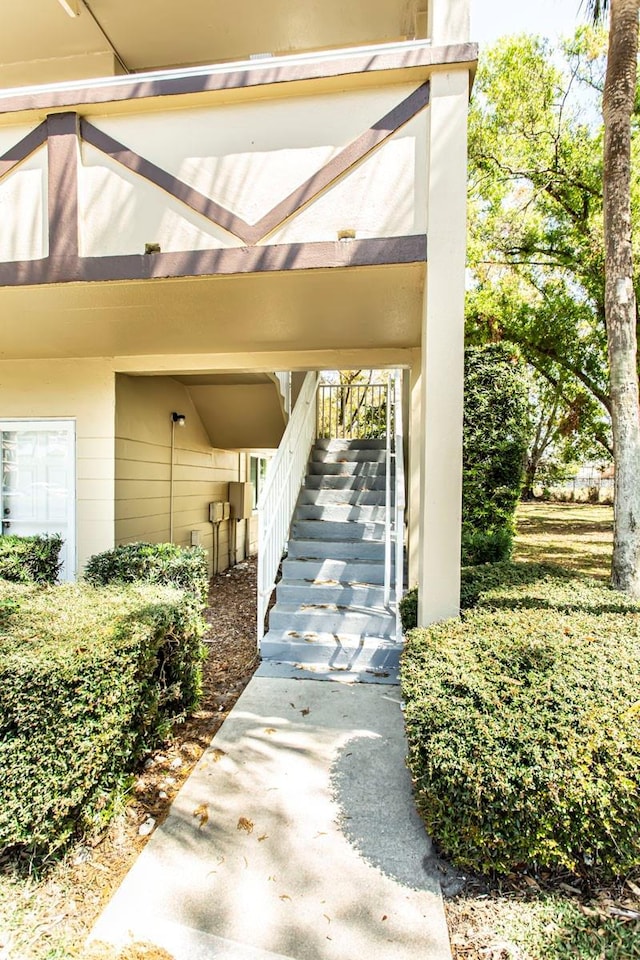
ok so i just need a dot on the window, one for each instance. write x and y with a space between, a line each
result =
258 475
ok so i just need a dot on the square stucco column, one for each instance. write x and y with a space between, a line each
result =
448 21
443 351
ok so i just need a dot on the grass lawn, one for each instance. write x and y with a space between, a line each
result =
577 536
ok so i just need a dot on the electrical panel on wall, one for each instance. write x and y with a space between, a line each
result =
216 511
241 499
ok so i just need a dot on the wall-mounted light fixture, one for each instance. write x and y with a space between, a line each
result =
179 418
70 7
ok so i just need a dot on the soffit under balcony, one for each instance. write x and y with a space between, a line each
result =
152 34
297 312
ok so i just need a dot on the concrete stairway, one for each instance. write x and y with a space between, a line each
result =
329 615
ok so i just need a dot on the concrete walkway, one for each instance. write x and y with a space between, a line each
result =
295 838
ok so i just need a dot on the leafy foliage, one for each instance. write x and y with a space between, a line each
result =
495 441
523 723
536 247
91 678
161 563
30 559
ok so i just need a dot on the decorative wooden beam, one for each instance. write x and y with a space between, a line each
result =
198 81
300 197
210 263
23 149
63 151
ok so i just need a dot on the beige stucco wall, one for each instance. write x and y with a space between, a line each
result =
85 391
23 205
248 157
142 468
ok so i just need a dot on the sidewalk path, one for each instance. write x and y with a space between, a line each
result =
295 838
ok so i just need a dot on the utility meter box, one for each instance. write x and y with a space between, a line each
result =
216 511
241 499
226 510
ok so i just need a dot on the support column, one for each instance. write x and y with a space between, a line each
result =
443 350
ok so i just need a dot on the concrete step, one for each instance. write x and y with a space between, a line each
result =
302 592
335 652
300 670
331 571
319 481
308 620
337 530
339 444
346 468
348 455
342 513
357 498
306 549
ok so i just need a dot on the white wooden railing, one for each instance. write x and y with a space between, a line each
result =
280 493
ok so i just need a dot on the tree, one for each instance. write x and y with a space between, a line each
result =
536 204
620 301
566 428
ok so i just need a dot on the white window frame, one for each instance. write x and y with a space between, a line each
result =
10 424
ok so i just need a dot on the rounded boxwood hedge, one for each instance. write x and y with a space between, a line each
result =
30 559
162 563
91 679
523 722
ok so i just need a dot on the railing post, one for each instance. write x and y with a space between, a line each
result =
387 508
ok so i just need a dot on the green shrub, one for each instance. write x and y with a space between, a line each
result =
91 678
495 439
523 722
30 559
162 563
409 609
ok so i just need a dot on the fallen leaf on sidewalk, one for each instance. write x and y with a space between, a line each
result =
305 712
202 812
270 730
245 824
265 836
285 896
217 754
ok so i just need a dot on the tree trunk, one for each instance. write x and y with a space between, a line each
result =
620 303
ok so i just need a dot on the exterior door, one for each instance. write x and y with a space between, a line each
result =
37 493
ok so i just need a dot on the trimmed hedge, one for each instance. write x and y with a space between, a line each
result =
162 563
523 722
91 679
30 559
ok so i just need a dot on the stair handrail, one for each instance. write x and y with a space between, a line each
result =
387 502
400 498
280 492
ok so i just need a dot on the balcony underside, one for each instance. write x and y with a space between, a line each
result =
297 310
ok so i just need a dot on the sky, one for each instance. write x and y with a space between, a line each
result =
491 19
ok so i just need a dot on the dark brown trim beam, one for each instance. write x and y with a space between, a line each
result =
23 149
378 251
243 78
63 150
307 192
